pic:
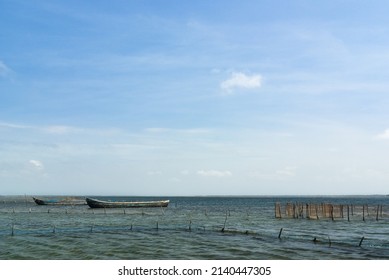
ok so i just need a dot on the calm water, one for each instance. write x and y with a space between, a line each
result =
190 228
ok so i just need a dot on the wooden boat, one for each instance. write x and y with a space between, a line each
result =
95 203
65 201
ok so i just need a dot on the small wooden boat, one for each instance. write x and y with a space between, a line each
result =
95 203
65 201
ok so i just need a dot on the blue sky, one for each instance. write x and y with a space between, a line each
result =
194 97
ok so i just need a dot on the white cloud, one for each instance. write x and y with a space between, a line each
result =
60 129
154 173
172 130
156 129
288 171
36 164
12 125
384 135
185 172
175 180
214 173
241 80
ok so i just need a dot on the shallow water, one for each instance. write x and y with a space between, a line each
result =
190 228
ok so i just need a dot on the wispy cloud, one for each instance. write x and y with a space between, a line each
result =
214 173
154 173
60 129
384 135
172 130
4 70
36 164
289 171
13 125
51 129
239 80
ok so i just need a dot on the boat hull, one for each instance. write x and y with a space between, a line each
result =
95 203
58 202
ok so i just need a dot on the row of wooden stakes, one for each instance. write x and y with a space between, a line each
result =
317 211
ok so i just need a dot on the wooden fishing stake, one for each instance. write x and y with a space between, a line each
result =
53 228
190 225
363 213
378 207
329 241
12 230
224 226
307 212
360 242
131 227
279 234
348 213
157 225
91 228
278 210
332 212
294 211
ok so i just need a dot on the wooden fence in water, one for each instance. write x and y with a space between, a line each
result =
317 211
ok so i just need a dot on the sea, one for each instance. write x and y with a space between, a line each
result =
194 228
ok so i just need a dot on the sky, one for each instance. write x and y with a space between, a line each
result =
182 98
